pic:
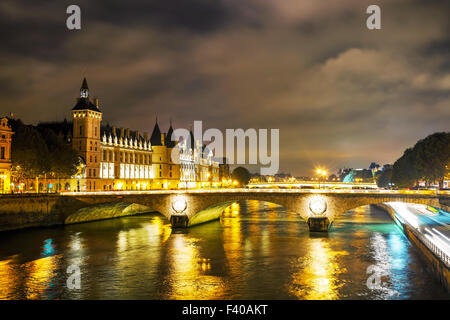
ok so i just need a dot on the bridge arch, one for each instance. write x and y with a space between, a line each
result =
214 211
349 202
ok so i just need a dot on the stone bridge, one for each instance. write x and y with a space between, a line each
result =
317 208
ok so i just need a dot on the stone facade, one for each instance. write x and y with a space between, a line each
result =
5 155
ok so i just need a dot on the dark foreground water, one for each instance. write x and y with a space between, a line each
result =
257 251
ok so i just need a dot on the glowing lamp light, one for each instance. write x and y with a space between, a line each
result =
119 186
179 205
317 206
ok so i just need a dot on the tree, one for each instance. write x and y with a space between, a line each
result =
404 171
38 151
241 175
29 153
63 159
383 178
428 160
364 175
433 156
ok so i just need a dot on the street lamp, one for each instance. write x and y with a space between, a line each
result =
321 172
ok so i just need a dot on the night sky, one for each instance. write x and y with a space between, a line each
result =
341 95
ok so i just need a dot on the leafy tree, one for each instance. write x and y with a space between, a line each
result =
29 153
63 159
39 151
383 178
404 172
433 156
241 175
365 175
428 160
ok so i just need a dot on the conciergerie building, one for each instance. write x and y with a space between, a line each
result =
122 159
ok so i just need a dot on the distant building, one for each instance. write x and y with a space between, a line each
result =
224 170
197 165
5 155
374 167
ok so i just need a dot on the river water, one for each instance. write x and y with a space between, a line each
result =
256 251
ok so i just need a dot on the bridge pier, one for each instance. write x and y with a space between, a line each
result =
179 221
318 224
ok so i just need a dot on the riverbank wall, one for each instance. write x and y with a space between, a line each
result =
434 263
20 212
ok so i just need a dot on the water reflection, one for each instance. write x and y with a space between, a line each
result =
256 251
383 267
189 272
41 278
48 248
317 275
9 279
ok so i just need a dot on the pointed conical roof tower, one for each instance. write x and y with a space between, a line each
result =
155 139
192 140
84 85
169 142
83 102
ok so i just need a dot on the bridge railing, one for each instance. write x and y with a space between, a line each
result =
444 257
258 190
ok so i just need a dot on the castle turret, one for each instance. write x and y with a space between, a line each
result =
87 118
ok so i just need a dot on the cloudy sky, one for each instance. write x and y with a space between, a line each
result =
341 95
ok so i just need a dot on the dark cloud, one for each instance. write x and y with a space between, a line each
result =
194 15
340 94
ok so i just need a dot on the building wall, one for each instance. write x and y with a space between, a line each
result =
5 155
86 141
125 164
166 173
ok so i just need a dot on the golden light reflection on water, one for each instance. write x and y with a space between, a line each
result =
8 279
40 275
138 255
189 278
317 275
232 236
36 276
156 232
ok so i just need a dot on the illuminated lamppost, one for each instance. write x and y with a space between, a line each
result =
209 179
321 173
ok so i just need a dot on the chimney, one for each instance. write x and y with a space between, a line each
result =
138 136
128 132
96 102
163 140
122 132
146 136
114 131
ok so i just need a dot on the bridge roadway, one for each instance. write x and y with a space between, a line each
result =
318 208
